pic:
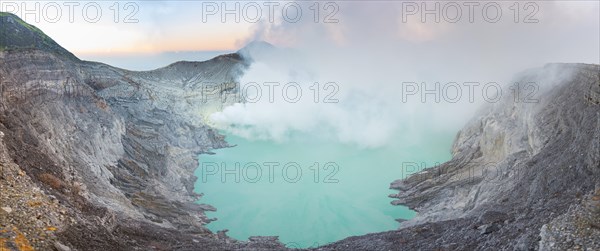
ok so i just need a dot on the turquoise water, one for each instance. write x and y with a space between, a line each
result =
321 191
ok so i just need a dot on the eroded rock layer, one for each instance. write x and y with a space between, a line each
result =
93 157
110 152
523 176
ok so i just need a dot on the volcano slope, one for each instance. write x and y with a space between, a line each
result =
95 157
104 157
523 176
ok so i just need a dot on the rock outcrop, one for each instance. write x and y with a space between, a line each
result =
116 149
95 157
523 176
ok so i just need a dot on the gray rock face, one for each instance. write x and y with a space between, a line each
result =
164 131
118 146
133 141
118 149
577 229
516 171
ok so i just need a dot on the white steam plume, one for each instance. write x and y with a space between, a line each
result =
370 52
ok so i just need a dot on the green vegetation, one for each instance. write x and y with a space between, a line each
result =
16 34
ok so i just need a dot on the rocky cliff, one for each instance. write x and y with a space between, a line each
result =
523 176
94 157
110 152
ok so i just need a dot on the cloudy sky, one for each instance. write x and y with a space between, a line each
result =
159 26
367 48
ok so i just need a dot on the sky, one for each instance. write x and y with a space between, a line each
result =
368 48
157 26
128 27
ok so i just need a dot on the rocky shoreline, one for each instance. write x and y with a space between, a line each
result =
523 176
111 152
95 157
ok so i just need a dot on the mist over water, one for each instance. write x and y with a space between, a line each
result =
349 150
369 60
372 129
341 191
338 110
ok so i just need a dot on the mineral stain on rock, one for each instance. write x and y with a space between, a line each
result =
94 157
13 240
